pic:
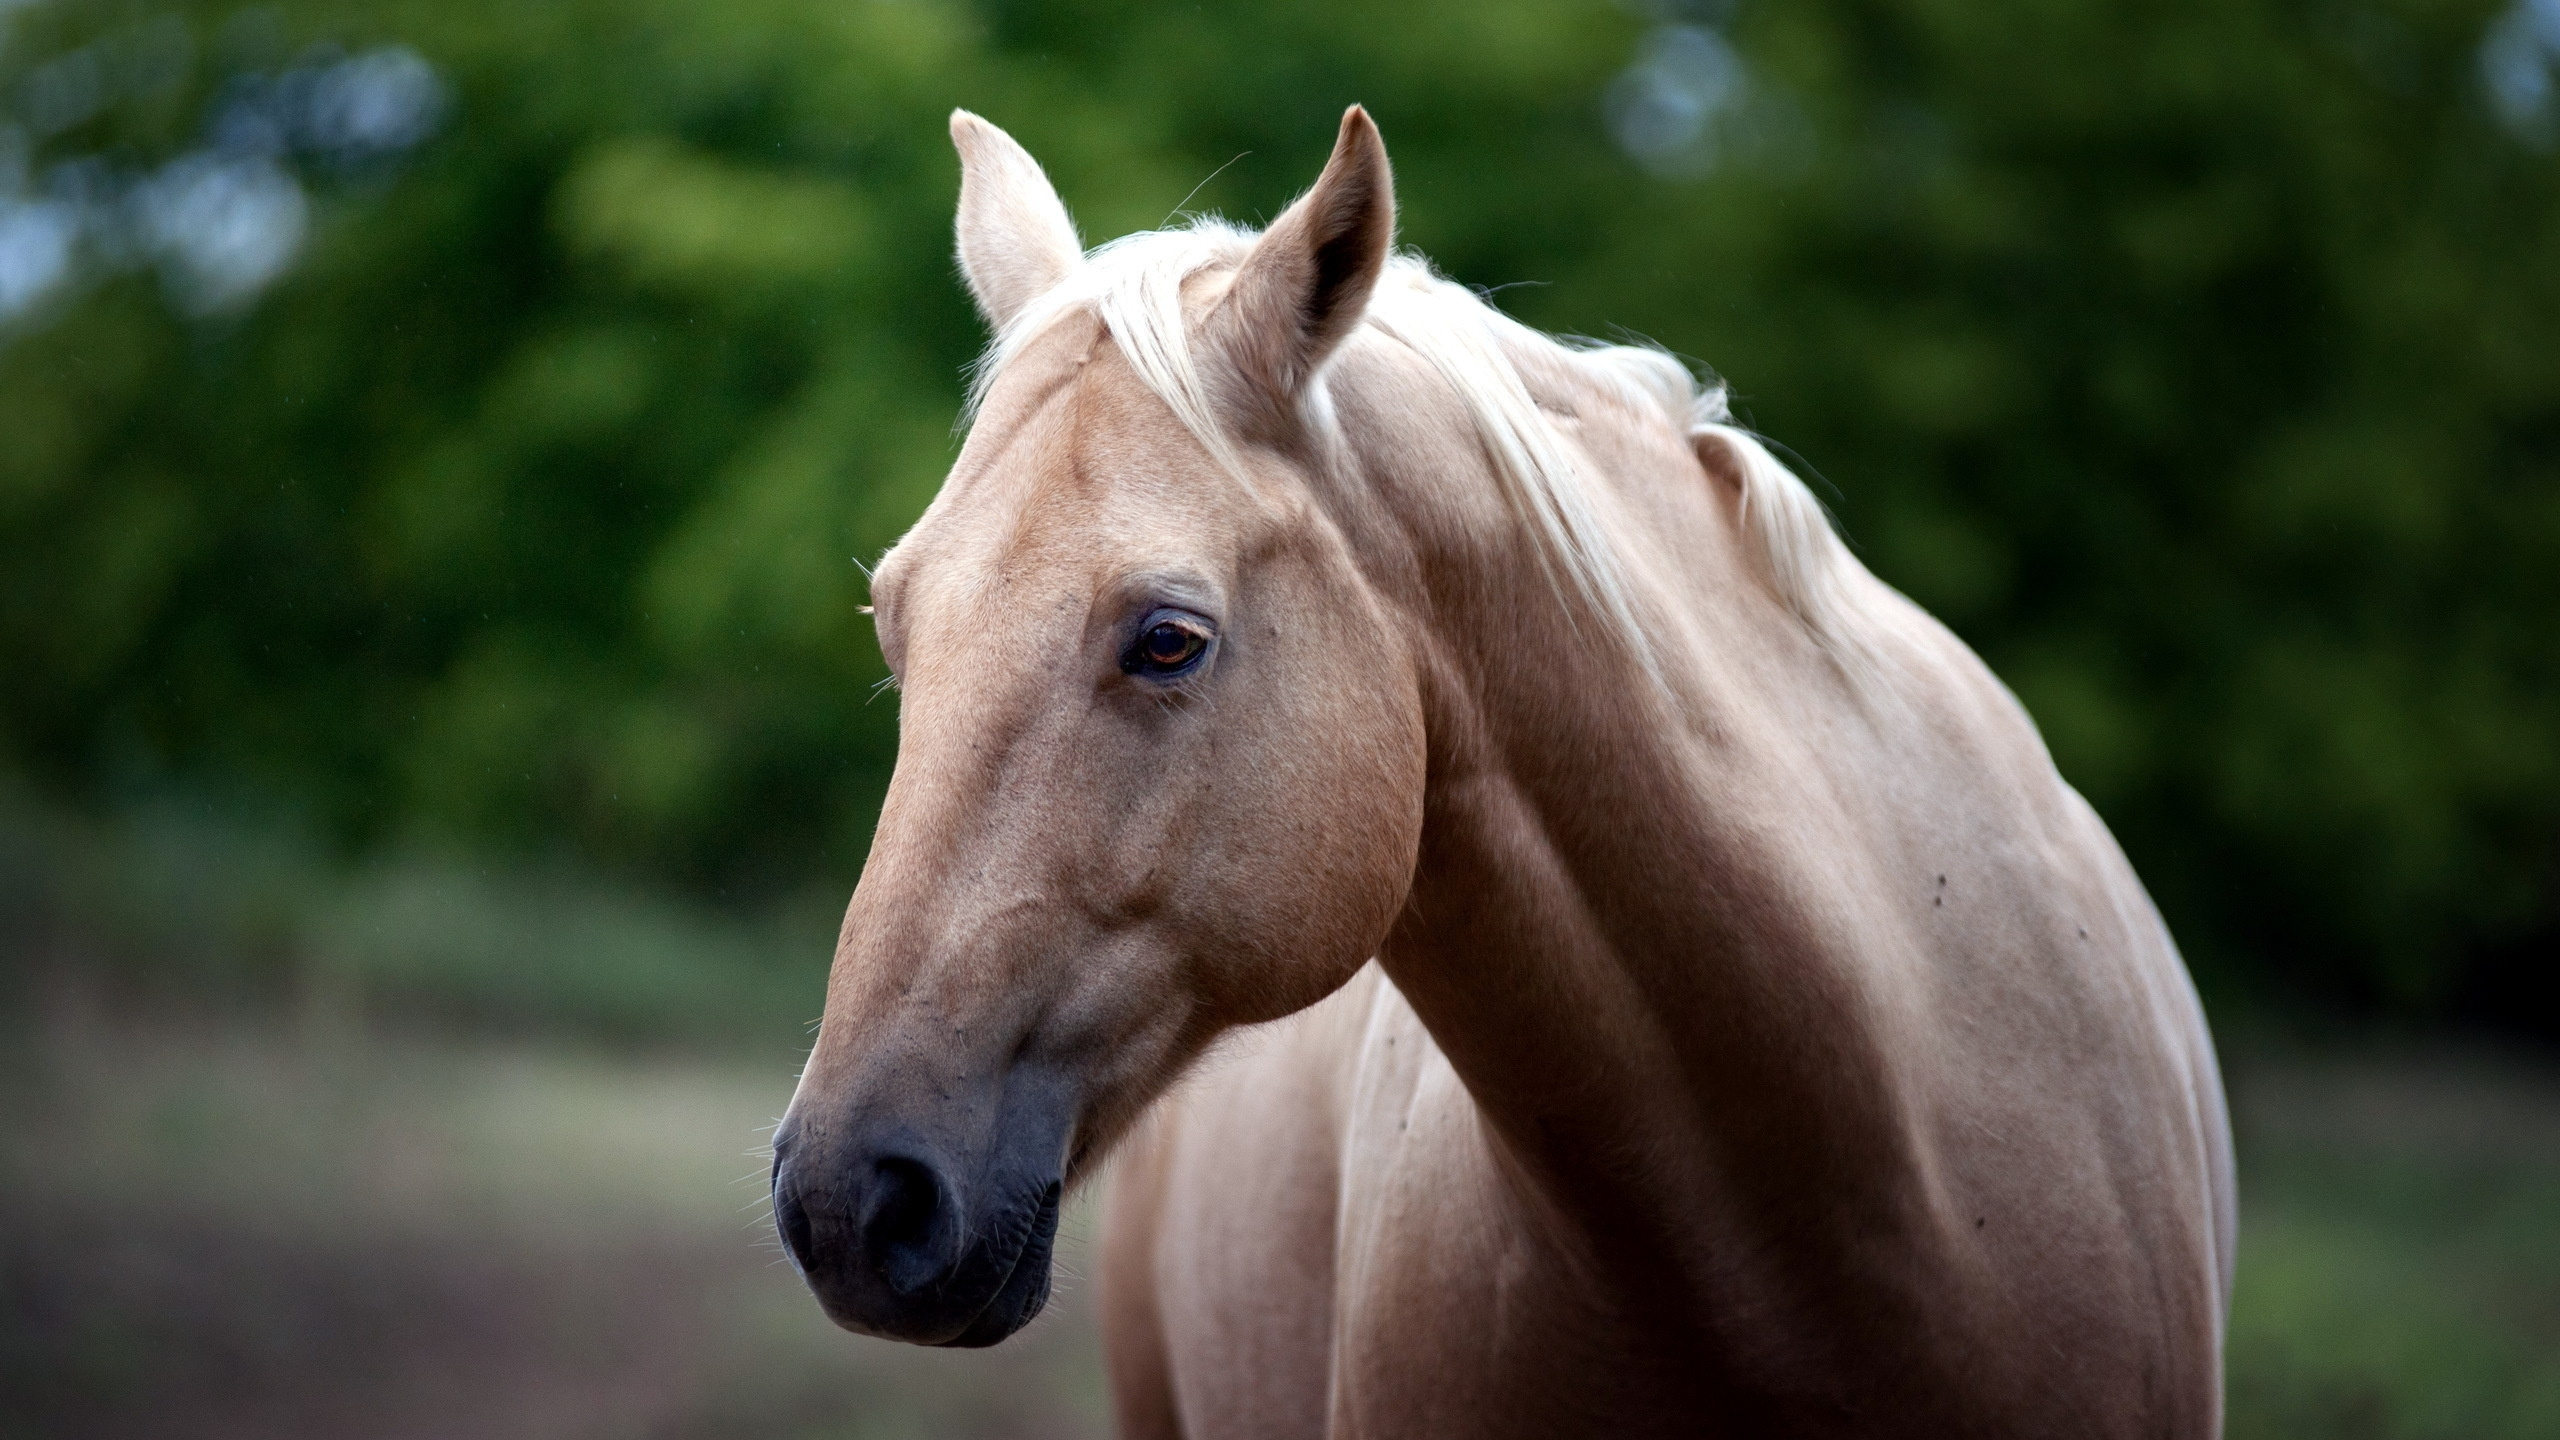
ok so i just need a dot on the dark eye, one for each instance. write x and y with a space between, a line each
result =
1166 648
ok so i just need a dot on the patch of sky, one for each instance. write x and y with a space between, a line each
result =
2518 60
220 221
1687 101
35 251
222 226
36 235
343 112
1661 107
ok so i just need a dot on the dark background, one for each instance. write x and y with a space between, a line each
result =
439 444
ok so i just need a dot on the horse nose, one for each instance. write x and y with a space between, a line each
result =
908 1227
883 1222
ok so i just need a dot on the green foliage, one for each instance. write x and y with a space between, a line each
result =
2193 360
172 902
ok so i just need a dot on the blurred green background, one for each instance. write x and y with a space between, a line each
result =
439 444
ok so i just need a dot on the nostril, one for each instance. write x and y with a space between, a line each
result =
792 1219
901 1223
903 1199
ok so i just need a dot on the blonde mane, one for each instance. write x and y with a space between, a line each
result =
1134 285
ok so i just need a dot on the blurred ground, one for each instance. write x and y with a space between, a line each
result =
2399 1246
286 1228
251 1230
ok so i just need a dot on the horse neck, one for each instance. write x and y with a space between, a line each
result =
1631 928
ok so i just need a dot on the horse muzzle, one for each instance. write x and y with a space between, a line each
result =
901 1236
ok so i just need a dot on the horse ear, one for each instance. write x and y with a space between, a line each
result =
1016 242
1307 281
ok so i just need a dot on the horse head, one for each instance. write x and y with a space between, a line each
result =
1161 750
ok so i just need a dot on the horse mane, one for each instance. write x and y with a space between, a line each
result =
1134 285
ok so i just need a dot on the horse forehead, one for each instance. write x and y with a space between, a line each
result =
1069 393
1113 432
1075 459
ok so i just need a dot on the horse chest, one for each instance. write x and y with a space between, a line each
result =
1455 1313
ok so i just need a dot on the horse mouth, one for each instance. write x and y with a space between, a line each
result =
1025 1288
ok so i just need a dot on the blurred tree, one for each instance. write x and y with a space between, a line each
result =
468 418
2197 361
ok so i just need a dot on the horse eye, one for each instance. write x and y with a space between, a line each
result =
1168 647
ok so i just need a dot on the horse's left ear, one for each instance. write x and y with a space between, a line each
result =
1308 279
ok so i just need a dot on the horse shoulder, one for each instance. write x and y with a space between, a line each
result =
2081 1154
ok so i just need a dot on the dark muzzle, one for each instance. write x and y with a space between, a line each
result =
909 1238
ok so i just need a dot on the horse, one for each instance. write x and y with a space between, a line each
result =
1551 944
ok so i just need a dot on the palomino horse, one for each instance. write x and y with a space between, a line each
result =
1761 1037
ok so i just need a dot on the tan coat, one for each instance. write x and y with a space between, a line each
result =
1762 1038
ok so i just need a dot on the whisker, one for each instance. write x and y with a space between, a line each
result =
1196 189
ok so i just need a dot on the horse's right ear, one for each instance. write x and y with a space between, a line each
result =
1016 242
1307 281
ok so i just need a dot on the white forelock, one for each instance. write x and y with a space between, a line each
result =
1134 285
